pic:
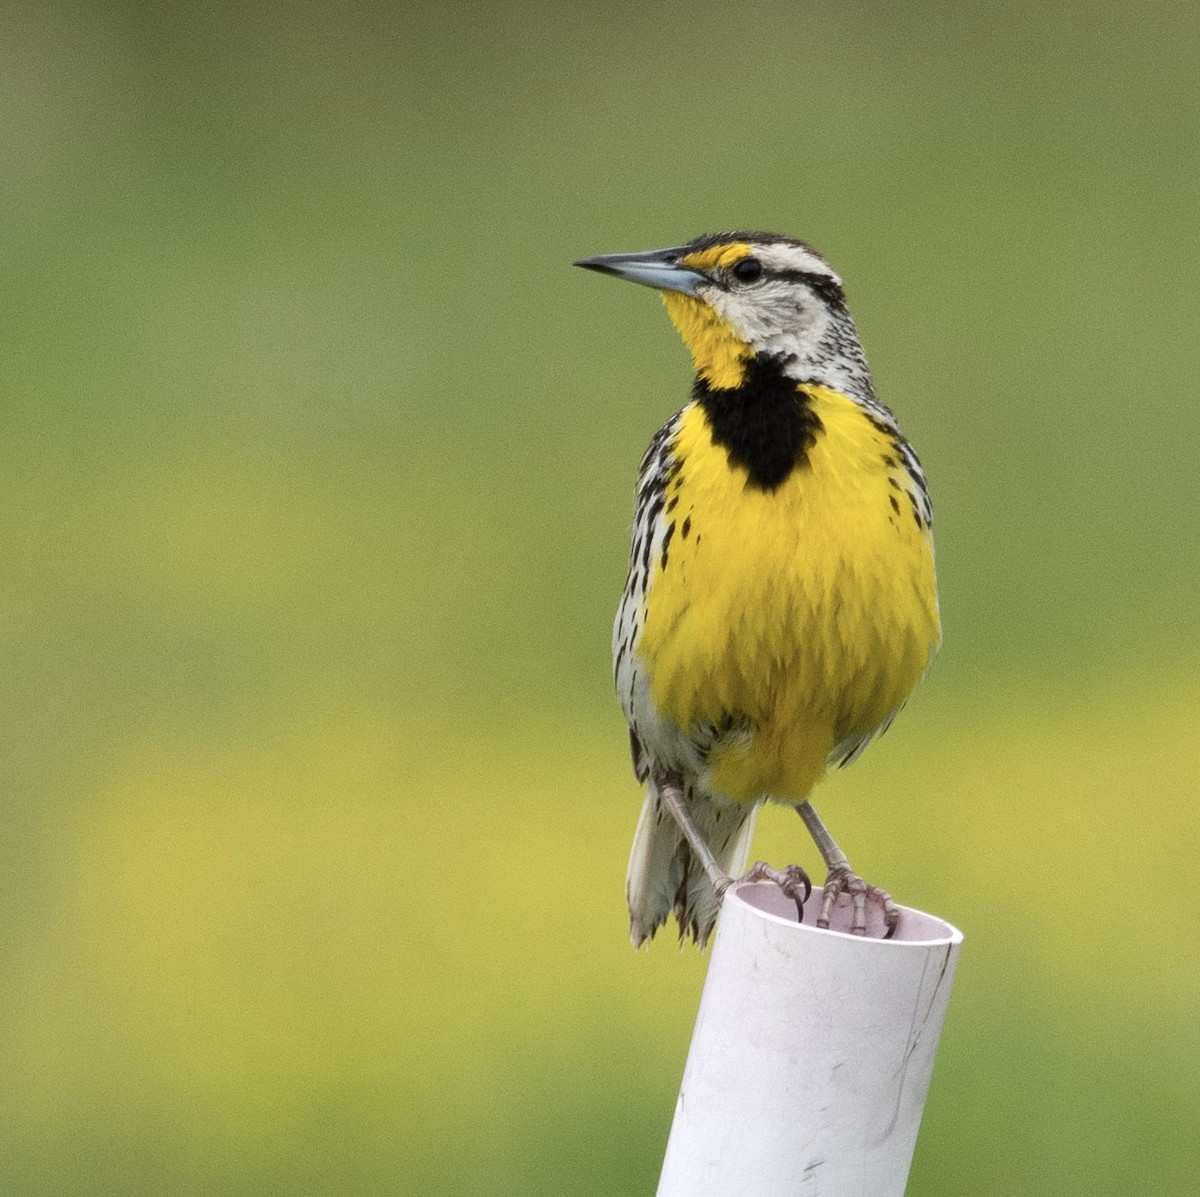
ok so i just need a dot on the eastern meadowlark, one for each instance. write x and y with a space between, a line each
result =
781 601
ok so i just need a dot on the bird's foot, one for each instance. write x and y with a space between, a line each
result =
842 880
793 881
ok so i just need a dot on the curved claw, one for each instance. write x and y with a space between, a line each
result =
843 881
790 880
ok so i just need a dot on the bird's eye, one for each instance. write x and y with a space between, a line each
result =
748 270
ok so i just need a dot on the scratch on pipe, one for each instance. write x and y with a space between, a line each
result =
916 1032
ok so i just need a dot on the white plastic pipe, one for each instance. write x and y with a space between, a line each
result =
812 1053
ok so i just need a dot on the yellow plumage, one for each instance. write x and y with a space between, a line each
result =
810 610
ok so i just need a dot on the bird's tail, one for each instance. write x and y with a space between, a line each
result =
665 877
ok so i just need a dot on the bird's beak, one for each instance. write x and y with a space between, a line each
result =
657 268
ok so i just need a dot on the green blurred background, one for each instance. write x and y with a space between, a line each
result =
317 472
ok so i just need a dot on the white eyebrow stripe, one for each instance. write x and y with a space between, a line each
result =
784 258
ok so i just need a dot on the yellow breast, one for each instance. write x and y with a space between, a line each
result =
797 619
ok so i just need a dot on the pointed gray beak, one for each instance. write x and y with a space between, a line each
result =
653 268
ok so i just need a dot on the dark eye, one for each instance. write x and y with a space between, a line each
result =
748 270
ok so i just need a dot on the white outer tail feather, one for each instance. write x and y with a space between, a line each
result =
660 860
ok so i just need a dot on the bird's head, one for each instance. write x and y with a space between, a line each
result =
734 296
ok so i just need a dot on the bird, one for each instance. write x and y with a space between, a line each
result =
781 600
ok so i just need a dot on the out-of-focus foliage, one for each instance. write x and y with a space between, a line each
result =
314 501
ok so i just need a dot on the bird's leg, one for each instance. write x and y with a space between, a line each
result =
670 790
791 880
843 880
